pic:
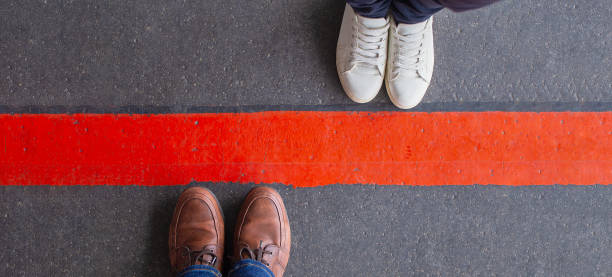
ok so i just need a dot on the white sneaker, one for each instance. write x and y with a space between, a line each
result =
410 64
361 55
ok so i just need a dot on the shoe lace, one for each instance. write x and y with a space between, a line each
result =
197 257
257 253
367 43
409 51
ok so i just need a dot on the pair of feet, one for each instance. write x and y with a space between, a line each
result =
371 50
262 233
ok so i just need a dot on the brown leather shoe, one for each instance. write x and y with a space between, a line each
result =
197 230
262 230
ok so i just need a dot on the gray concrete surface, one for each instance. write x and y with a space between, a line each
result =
338 230
172 56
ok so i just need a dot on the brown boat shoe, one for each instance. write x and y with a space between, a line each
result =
197 231
262 230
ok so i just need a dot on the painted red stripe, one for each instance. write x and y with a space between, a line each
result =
308 148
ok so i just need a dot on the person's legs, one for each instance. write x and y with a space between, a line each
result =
370 8
250 268
364 58
464 5
415 11
262 239
199 271
196 235
412 11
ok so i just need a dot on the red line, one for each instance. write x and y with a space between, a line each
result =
308 148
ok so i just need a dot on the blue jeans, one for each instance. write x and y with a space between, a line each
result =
243 268
412 11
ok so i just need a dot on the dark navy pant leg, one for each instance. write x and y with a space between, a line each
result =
464 5
370 8
414 11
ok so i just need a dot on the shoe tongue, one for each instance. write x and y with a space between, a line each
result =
373 23
409 29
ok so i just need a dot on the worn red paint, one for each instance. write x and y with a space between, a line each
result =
308 148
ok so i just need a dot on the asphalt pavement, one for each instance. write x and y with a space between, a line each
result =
153 56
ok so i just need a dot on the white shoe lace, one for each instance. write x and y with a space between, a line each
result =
366 44
409 52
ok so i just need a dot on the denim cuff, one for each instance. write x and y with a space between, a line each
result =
253 267
199 271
